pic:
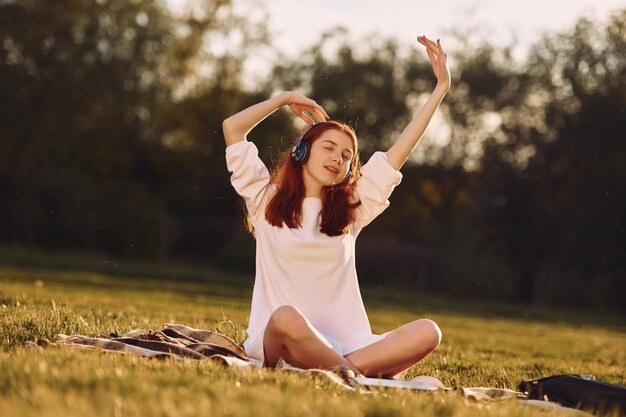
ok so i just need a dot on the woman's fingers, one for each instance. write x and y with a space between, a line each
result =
440 49
427 43
315 109
325 114
438 59
310 111
433 59
319 113
436 48
306 118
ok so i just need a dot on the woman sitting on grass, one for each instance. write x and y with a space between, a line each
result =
306 305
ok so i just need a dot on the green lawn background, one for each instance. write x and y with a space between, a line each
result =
485 343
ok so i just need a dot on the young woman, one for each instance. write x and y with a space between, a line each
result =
306 303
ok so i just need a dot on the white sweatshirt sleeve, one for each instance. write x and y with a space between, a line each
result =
250 177
377 182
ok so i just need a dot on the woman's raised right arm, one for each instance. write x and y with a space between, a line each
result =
237 126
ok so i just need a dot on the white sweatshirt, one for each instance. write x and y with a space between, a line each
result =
303 267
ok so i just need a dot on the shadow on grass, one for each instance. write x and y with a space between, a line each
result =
408 299
89 270
105 273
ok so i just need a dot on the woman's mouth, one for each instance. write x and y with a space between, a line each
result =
332 169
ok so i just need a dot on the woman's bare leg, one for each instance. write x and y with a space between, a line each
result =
290 336
397 352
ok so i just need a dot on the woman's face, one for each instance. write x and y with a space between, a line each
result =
328 164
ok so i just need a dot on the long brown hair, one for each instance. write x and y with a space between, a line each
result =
338 205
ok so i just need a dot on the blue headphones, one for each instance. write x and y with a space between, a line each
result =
301 150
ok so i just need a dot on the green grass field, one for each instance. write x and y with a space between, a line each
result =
485 344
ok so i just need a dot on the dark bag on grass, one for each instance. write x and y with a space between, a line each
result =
577 392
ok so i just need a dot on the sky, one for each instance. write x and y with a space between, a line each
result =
296 24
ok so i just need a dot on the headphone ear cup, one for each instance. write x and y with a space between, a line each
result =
301 153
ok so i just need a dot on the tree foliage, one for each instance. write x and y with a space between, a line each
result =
101 139
561 211
110 141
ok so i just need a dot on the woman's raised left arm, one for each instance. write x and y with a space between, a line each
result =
410 136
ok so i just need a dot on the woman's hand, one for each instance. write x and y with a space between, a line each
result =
237 126
300 105
439 60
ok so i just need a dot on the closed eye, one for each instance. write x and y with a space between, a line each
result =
331 146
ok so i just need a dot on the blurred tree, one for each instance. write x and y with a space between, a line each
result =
88 152
555 191
110 140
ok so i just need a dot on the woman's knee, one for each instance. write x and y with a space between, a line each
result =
427 333
287 321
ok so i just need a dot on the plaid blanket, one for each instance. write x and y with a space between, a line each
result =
176 341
